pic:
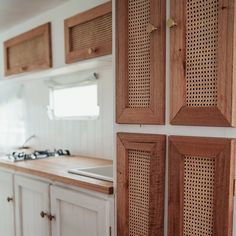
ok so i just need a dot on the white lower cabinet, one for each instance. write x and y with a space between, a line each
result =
32 198
7 225
31 207
78 214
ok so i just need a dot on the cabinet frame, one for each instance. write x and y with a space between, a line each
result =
155 114
77 55
224 114
223 152
44 30
155 144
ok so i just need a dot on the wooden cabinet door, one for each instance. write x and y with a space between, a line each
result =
32 198
29 51
140 184
201 174
140 61
7 223
78 214
89 34
202 52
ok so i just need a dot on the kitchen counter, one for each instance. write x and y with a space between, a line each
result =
56 169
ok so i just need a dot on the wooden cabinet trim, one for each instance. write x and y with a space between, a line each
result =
44 30
223 152
223 114
155 114
143 142
101 49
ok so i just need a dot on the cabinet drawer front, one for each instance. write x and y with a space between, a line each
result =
140 58
29 51
78 213
201 173
89 34
202 48
140 184
32 198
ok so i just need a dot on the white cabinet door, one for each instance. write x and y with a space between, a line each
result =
78 214
32 198
7 225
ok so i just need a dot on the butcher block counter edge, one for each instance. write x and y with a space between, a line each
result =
56 169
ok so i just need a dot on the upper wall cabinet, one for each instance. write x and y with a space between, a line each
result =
28 51
89 34
140 61
202 58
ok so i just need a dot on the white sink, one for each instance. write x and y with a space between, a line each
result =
97 172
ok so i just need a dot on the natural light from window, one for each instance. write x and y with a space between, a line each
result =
75 102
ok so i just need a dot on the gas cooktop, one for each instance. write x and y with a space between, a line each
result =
22 156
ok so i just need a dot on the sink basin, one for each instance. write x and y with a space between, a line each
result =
97 172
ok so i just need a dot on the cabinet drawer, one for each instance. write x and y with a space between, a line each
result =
89 34
29 51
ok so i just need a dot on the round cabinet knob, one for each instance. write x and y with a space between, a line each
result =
91 51
151 28
10 199
43 214
51 217
171 23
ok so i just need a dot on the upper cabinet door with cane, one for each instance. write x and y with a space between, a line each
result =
140 61
202 56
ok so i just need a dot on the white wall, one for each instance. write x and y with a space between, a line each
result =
23 102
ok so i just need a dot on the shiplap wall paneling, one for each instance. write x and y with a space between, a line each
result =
202 49
140 61
201 174
140 184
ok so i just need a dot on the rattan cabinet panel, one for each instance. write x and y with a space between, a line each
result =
29 51
201 174
140 184
202 57
140 61
89 34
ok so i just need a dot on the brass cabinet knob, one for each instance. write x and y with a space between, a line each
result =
91 51
151 28
24 68
171 23
10 199
48 215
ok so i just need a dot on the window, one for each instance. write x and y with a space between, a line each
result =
78 102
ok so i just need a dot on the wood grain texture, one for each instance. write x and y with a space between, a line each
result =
223 114
155 146
56 169
222 151
38 58
100 49
155 113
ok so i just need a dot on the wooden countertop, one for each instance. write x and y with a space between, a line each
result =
56 169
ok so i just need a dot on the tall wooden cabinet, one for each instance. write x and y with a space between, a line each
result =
140 61
140 184
7 222
203 42
201 178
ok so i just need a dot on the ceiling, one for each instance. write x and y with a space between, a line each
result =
14 12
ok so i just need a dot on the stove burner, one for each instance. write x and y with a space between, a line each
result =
21 156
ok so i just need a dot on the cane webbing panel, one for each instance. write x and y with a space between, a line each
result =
139 54
27 53
92 33
139 184
201 52
199 174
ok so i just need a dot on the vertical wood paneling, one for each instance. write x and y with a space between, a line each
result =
91 138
